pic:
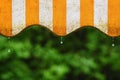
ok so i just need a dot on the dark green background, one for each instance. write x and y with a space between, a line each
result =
36 54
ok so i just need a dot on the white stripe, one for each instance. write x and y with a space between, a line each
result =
73 15
46 13
101 15
18 16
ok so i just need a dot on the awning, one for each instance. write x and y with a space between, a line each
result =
60 16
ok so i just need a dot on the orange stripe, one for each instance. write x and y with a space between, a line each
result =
6 17
114 17
87 13
59 17
32 12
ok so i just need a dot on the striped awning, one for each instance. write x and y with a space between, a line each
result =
60 16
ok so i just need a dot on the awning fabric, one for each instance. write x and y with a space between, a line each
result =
60 16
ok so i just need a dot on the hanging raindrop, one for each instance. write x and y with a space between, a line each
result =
9 50
61 40
113 44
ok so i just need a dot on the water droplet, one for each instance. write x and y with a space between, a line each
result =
9 50
113 44
61 40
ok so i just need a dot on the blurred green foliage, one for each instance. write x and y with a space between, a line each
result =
36 54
